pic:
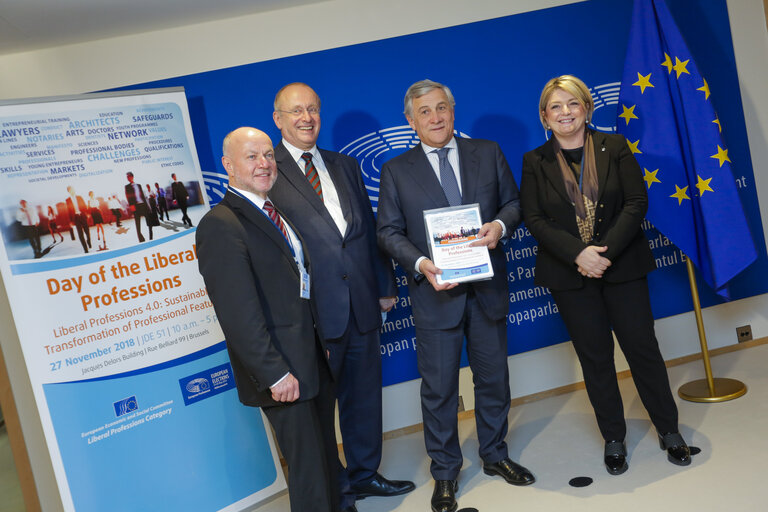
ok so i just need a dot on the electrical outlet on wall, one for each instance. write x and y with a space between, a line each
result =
744 333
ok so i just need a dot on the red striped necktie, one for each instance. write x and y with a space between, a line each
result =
270 209
310 171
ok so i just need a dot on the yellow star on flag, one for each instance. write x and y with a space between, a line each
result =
667 63
633 146
643 82
703 185
628 113
721 155
679 67
650 177
704 88
717 122
680 194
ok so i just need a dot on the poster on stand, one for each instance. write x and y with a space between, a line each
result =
99 198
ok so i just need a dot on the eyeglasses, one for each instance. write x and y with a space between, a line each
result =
299 111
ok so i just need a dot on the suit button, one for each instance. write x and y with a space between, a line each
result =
344 276
343 245
597 234
602 205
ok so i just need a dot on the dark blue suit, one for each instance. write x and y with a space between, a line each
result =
476 310
349 276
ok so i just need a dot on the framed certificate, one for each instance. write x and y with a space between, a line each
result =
449 232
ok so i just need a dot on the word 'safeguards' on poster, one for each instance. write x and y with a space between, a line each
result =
99 197
450 231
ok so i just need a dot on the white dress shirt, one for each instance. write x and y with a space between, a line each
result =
330 195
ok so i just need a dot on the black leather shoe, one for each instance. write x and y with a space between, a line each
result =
444 496
350 508
677 451
380 486
512 472
615 457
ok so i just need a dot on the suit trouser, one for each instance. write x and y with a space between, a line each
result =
33 234
589 313
183 206
141 210
438 354
306 435
83 230
356 363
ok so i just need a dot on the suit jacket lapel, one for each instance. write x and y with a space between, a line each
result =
250 211
552 171
468 163
424 175
291 172
602 161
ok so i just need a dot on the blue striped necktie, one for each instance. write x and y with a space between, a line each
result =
448 178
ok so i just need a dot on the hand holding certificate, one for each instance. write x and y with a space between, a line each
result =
453 234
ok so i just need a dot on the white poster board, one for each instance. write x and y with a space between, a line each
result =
124 352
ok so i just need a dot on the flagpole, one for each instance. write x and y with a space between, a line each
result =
709 389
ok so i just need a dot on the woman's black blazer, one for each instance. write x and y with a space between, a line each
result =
621 206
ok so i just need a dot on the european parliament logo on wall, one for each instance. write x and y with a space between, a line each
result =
215 185
373 149
125 406
605 95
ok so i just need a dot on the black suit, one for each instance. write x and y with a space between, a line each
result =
80 220
253 281
350 275
478 310
140 208
180 194
590 307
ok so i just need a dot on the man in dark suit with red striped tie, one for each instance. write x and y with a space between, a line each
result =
257 275
323 193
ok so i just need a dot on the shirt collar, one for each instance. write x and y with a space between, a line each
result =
257 200
296 152
451 144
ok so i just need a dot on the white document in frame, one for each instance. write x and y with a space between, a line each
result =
449 232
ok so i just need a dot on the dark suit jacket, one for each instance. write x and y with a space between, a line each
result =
621 206
130 194
179 192
349 271
409 186
253 282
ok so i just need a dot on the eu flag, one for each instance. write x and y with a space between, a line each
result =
667 116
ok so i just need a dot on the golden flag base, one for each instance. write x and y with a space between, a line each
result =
725 389
710 389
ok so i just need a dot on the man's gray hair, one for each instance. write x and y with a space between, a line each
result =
421 88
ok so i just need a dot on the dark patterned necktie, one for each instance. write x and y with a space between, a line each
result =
270 209
448 178
310 171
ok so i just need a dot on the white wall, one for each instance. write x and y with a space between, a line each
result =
133 59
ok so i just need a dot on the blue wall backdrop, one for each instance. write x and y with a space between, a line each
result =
496 70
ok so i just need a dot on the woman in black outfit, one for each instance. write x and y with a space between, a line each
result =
583 199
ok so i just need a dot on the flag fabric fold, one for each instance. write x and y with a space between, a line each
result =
665 111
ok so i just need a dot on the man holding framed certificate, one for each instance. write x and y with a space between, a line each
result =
445 171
